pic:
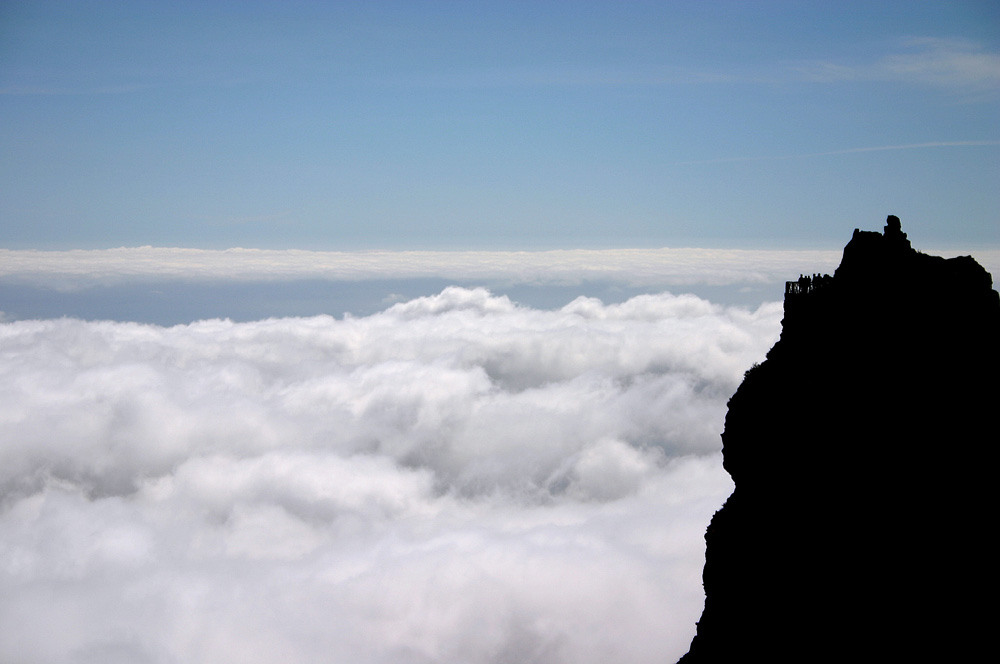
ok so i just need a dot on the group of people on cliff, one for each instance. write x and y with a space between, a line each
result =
806 283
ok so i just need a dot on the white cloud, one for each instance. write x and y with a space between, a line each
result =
661 268
79 268
944 62
454 479
934 61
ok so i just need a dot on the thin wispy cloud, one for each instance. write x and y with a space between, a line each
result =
949 63
558 77
828 153
56 91
911 146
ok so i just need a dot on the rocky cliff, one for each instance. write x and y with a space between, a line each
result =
862 453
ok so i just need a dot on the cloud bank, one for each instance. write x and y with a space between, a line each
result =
455 479
80 268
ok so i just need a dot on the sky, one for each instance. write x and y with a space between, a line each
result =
496 125
403 332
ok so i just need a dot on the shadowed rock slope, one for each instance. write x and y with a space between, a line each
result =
862 453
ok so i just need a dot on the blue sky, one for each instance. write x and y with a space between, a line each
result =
421 125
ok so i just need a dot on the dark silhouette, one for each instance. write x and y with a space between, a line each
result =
862 452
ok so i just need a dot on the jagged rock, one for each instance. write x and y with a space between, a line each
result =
862 453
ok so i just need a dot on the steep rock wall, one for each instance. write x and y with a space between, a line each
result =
862 453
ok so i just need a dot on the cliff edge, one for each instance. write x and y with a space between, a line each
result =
862 453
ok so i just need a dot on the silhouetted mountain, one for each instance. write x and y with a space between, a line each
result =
862 452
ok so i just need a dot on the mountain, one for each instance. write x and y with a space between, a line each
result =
862 450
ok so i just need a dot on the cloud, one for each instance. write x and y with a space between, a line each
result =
649 269
456 478
75 269
911 146
559 76
876 148
949 63
59 91
945 62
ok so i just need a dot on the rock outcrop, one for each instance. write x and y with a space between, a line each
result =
862 453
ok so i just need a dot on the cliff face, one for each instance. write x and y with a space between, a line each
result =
862 449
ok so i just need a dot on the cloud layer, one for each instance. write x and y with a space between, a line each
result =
456 478
80 268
